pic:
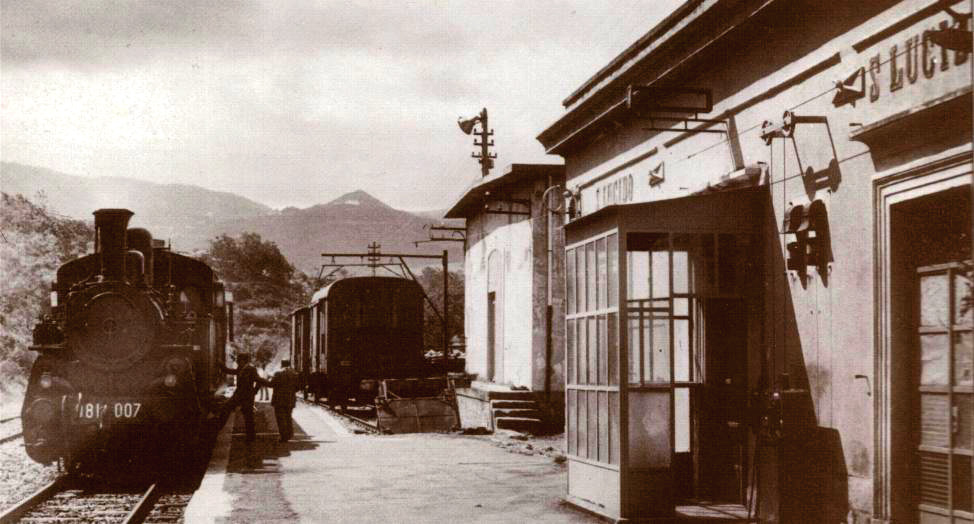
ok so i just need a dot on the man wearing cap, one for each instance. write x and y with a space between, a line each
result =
243 396
285 384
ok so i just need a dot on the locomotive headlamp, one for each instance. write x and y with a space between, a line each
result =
46 381
42 411
53 298
170 381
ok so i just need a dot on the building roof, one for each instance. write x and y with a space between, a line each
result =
471 201
692 27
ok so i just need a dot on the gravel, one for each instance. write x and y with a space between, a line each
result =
19 475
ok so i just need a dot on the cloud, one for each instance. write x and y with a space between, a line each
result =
112 32
295 102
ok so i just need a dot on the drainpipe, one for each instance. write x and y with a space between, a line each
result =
549 278
548 308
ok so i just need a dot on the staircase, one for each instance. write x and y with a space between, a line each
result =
515 410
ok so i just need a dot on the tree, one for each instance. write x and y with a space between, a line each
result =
432 281
265 288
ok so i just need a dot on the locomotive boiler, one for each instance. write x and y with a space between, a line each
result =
128 356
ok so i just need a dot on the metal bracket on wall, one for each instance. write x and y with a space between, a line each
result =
785 128
644 102
511 202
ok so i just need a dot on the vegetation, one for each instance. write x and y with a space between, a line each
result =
432 281
33 243
265 285
265 288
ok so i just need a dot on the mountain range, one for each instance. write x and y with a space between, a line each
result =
189 216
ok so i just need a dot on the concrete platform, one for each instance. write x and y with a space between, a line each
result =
327 474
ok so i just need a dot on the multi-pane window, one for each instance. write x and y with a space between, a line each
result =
944 391
592 349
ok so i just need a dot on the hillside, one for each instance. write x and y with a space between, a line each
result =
347 224
184 212
33 243
191 216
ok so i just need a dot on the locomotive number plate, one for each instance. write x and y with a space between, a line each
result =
124 411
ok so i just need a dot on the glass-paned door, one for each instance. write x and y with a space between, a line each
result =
592 371
943 407
686 338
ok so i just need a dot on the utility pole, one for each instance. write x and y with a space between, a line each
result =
485 157
446 306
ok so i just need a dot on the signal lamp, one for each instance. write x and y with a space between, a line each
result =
816 241
796 255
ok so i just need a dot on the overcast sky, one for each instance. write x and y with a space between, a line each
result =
296 103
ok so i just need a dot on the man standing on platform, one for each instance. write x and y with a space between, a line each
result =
243 396
285 384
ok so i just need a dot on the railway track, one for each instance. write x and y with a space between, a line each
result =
67 500
8 438
11 436
366 425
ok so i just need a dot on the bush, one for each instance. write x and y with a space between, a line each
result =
34 243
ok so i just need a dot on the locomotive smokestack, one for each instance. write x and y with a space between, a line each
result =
141 240
110 241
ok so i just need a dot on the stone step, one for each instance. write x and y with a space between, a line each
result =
524 424
510 395
525 413
512 404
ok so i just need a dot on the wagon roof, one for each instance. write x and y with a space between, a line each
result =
323 293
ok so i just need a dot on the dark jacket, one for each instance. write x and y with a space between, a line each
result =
247 381
286 385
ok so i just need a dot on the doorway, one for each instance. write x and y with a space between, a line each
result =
723 402
934 395
493 366
688 325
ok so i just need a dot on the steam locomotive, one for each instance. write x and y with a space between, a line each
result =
128 357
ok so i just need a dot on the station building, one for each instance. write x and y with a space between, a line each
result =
768 265
513 299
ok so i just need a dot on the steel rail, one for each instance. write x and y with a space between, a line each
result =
8 438
9 419
368 426
14 513
144 506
